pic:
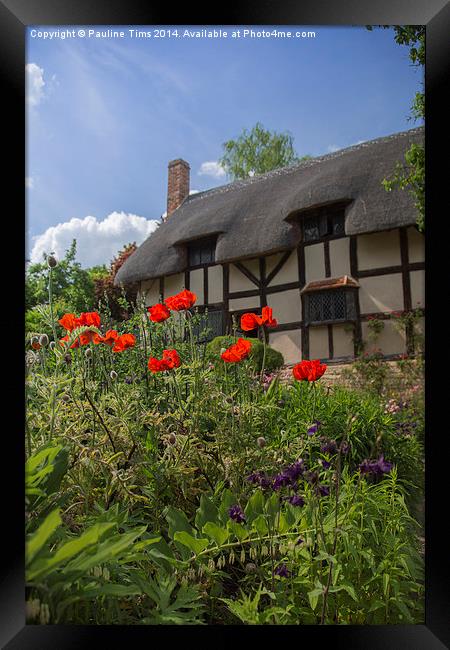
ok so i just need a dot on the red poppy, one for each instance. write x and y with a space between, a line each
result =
183 300
309 370
123 342
158 313
172 359
250 322
157 365
36 345
110 338
237 352
89 318
69 322
266 317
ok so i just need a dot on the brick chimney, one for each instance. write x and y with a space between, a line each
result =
178 184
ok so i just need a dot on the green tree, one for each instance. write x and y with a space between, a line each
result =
258 151
411 172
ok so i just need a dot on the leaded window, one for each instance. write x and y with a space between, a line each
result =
324 223
210 325
202 252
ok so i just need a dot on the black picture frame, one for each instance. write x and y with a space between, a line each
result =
15 17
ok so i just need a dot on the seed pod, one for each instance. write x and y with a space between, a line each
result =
65 397
251 567
106 574
211 565
264 550
51 261
172 438
35 343
113 375
52 345
231 557
68 359
88 353
261 442
242 558
43 340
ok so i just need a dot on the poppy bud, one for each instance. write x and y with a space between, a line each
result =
43 340
34 342
52 345
51 261
261 442
65 397
68 359
251 567
88 353
172 438
113 375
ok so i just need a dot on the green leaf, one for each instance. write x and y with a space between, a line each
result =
238 529
215 532
313 597
228 499
206 512
260 525
194 544
255 506
39 538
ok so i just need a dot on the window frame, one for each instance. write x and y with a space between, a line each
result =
350 302
326 218
207 243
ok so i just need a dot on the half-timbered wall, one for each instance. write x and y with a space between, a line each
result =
388 266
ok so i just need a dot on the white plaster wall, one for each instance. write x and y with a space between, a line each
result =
340 257
390 341
318 343
288 272
196 285
244 303
342 341
215 283
173 284
288 343
314 262
252 266
381 293
239 281
150 289
416 245
417 281
378 249
286 305
272 261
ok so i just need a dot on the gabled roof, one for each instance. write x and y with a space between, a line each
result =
252 217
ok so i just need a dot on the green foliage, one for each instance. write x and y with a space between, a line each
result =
273 360
258 151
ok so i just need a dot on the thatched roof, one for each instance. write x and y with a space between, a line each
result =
252 217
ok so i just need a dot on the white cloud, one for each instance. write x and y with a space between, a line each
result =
34 84
193 192
98 242
332 148
211 168
29 182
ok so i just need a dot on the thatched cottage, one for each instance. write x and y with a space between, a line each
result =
322 243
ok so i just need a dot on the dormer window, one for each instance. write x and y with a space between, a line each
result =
324 222
330 301
201 252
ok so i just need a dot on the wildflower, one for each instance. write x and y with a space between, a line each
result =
90 318
325 464
313 429
328 446
183 300
69 322
110 338
169 361
375 467
43 340
322 490
282 571
35 343
344 447
261 479
123 342
312 477
113 375
250 322
261 442
237 352
296 500
309 370
51 262
237 514
158 313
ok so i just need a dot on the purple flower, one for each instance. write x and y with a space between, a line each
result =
325 464
344 448
328 446
312 477
296 500
375 467
289 475
282 571
322 490
237 514
314 428
261 479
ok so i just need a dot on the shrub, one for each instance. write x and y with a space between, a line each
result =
274 359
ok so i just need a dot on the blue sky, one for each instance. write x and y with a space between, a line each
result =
106 115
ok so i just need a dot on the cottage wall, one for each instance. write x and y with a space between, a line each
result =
388 268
